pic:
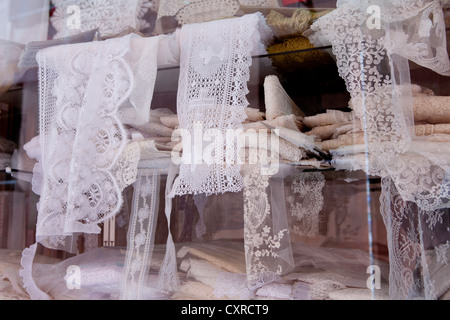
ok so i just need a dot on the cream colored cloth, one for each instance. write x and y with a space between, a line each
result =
325 132
343 140
278 103
328 118
194 290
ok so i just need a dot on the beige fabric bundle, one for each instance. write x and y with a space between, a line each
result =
227 256
291 122
278 103
328 118
343 140
324 132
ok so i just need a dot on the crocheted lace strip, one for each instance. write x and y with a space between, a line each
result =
215 61
141 233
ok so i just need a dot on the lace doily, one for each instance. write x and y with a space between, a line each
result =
110 17
215 61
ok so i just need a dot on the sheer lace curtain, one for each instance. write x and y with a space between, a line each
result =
373 42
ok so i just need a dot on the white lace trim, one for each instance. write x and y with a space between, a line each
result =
263 242
215 61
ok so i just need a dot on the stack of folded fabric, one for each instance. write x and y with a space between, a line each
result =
431 115
334 129
281 113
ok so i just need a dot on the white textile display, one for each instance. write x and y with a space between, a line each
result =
86 157
215 61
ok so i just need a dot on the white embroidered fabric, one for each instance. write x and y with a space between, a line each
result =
84 154
383 101
110 17
215 61
413 233
78 119
266 233
306 202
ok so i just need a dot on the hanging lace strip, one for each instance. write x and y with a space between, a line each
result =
86 160
168 274
266 235
372 51
141 234
416 241
306 202
110 17
215 61
197 11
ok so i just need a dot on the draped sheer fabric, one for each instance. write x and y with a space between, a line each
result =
372 52
86 159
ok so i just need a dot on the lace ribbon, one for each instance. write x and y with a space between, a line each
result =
141 234
110 17
215 61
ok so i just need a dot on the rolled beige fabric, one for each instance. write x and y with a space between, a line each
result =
328 118
278 103
428 129
432 109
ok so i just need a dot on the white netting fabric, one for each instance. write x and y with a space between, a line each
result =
215 61
110 17
372 50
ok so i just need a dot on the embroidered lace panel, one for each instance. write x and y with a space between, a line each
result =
372 59
215 61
